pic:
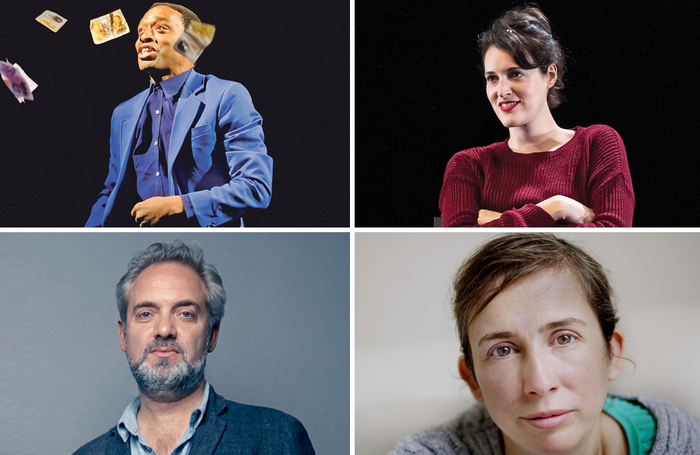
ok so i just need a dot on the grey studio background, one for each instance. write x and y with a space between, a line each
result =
406 349
284 339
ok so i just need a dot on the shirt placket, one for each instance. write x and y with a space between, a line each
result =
157 116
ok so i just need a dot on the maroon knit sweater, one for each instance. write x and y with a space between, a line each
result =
591 168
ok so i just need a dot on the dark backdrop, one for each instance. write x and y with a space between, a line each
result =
293 57
420 99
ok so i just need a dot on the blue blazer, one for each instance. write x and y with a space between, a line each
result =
216 155
228 428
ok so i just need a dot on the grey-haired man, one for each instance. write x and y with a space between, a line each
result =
170 305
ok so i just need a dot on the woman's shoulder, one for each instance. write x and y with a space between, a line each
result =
431 442
676 431
483 150
472 433
597 131
602 144
476 155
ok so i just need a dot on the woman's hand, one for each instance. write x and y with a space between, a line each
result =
486 216
559 207
564 208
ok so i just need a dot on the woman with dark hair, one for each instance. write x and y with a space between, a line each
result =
540 343
543 175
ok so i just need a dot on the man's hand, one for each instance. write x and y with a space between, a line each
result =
487 215
564 208
150 211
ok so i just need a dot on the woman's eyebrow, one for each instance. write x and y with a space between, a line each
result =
495 336
558 324
545 328
505 71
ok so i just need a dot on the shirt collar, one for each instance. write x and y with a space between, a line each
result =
173 85
198 414
129 426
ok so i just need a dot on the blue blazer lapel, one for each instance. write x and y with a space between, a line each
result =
128 127
126 133
187 107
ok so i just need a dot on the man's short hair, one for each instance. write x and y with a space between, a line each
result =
191 256
187 15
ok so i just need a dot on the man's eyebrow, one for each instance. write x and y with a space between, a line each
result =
139 306
545 328
156 19
187 303
179 304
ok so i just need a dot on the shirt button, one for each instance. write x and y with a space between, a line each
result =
155 143
157 174
157 112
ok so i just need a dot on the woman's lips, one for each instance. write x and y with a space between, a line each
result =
547 420
508 106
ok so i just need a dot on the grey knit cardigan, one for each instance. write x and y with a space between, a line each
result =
474 433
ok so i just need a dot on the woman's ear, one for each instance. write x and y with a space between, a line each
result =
617 350
468 376
551 75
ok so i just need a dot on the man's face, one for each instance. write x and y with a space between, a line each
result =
158 32
166 332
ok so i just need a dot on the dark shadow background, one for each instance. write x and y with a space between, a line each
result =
420 99
293 57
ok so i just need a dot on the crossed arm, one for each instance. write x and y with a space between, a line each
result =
558 207
598 192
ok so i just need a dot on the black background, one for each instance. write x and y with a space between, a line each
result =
292 56
420 99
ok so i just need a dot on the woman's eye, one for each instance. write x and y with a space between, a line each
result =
502 351
565 339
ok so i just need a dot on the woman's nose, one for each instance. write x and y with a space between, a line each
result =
539 375
503 88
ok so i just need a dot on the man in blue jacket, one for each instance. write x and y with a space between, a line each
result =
170 308
189 150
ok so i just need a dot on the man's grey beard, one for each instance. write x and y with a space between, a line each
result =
165 383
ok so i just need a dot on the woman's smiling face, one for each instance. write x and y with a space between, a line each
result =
518 96
542 366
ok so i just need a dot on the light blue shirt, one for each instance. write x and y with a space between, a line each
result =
128 427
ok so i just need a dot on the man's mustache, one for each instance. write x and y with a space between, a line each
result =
161 343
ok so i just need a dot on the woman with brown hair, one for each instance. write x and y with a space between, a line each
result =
543 175
540 343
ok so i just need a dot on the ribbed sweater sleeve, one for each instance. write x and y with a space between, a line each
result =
591 168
